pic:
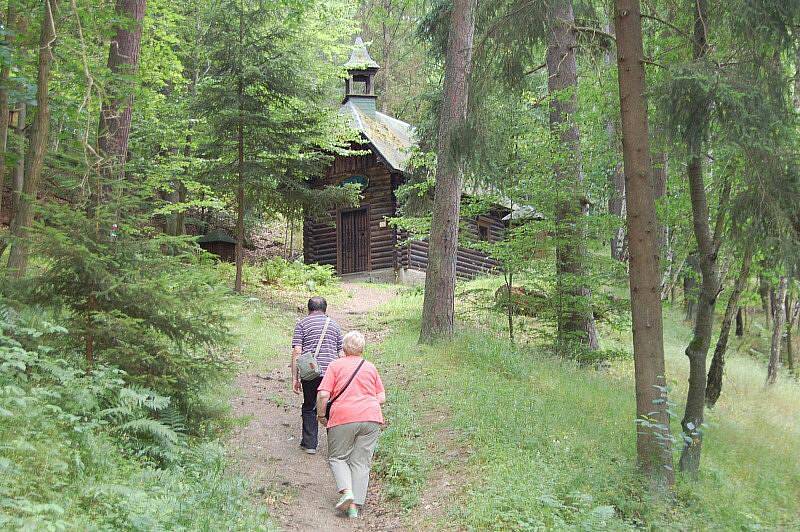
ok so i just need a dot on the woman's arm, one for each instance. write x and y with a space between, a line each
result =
381 398
322 401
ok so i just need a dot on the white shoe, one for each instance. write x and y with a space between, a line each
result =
345 501
310 451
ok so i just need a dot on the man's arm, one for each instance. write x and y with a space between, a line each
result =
296 387
297 350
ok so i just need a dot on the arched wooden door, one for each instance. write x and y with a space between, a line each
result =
354 241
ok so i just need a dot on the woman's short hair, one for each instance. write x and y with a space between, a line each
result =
353 343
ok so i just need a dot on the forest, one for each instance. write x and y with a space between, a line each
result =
568 229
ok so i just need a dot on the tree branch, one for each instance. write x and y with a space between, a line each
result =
722 211
537 69
649 62
594 31
666 23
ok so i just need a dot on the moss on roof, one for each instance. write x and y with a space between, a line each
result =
217 235
393 139
360 58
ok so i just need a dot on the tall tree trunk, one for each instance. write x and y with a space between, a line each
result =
18 176
660 174
790 318
707 246
653 443
660 163
616 197
39 140
797 79
438 310
5 73
386 68
239 250
739 322
763 292
777 334
240 212
616 205
182 192
123 62
690 293
575 320
715 372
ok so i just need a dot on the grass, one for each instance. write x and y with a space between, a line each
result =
552 445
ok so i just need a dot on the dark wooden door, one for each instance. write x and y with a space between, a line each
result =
354 240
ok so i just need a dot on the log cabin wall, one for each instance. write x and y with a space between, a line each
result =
469 262
320 238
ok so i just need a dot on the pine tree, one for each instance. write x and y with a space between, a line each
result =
39 138
438 311
653 444
576 321
269 130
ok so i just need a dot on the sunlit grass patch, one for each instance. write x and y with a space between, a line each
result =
263 330
553 444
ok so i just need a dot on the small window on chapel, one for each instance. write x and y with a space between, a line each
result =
483 232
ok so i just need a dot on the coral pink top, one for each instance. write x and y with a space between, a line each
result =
360 401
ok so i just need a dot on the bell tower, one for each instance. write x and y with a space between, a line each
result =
359 86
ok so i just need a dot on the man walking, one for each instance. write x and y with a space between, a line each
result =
319 337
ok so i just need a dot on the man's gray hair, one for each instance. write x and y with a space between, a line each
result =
317 304
353 343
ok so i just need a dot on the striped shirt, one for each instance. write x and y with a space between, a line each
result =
307 333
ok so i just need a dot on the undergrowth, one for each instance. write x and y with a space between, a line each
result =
552 444
401 461
90 450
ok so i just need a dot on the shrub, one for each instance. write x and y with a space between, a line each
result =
82 451
126 303
280 272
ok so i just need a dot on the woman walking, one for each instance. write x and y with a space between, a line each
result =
354 420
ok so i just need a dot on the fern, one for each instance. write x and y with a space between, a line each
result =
173 418
153 429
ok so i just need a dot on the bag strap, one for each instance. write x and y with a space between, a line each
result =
321 337
353 376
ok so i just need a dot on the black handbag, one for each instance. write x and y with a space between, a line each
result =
330 401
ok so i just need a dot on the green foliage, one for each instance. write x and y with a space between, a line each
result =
314 277
126 304
86 450
266 86
538 443
400 461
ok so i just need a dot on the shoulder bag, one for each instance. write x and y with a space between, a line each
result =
307 366
330 401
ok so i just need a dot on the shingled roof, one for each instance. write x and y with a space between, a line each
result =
360 58
217 235
393 139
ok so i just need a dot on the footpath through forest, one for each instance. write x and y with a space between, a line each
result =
298 488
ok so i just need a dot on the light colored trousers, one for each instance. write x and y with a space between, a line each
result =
350 449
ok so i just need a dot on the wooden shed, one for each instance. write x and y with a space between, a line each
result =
360 239
220 243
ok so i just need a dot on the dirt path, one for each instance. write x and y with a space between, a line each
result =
299 488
